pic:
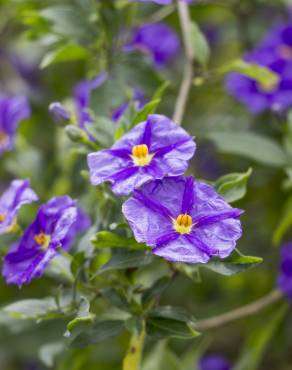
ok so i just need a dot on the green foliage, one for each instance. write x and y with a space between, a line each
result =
200 44
256 147
233 186
234 264
259 73
169 321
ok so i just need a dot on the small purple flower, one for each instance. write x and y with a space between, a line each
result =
285 275
12 111
275 53
157 40
139 101
82 93
214 362
56 225
151 150
183 220
17 194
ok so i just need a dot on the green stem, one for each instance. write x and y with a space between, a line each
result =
132 360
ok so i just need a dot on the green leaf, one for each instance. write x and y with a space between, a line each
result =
285 222
255 71
232 265
200 44
233 186
156 289
161 90
127 259
107 239
250 145
83 315
64 53
168 321
258 340
142 115
100 331
50 351
33 309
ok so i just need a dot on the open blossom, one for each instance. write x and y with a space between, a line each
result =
285 275
56 225
157 40
151 150
275 53
183 220
138 99
17 194
12 111
214 362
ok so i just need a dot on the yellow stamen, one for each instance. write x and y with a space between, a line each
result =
140 155
2 217
267 86
183 224
42 240
285 52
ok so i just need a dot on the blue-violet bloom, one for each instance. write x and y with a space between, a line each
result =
274 53
151 150
183 220
214 362
157 40
55 226
13 198
12 111
285 275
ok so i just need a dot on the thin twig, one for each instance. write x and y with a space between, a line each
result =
238 313
185 23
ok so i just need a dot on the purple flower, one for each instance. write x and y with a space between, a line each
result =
138 100
56 225
82 93
12 111
214 362
157 40
151 150
275 53
183 220
285 275
18 194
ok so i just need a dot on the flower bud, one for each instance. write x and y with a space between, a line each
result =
60 114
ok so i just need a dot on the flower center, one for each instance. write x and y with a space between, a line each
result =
3 138
183 224
285 52
43 240
267 87
140 155
2 217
